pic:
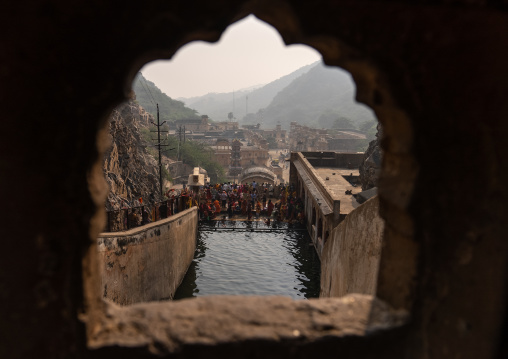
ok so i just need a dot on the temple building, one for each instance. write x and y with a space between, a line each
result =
235 167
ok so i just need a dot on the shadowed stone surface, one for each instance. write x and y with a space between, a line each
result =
147 263
350 258
371 164
435 75
216 320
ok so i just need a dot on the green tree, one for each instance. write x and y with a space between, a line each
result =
192 153
367 125
327 118
147 95
343 123
196 154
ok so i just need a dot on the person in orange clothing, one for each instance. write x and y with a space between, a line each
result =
258 209
217 206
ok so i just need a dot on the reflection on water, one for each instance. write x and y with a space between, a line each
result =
252 263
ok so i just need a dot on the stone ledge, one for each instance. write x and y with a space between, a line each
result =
168 327
148 226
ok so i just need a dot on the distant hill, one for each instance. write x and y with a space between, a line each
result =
316 99
218 105
169 109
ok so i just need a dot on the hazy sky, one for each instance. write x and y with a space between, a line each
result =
250 52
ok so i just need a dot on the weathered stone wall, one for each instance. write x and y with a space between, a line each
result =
147 263
322 207
334 159
350 258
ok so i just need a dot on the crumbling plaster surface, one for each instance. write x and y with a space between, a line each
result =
215 321
350 258
435 74
147 263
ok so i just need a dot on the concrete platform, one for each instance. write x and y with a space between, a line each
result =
338 185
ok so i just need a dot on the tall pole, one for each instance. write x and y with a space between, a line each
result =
159 145
160 154
246 105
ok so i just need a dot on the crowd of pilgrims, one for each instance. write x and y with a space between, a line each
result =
248 200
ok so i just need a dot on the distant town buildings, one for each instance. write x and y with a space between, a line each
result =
243 156
197 125
221 152
303 138
252 155
242 152
239 149
235 149
223 126
276 137
278 134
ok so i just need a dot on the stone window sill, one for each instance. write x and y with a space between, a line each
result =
169 327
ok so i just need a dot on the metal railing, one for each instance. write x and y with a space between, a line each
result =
132 217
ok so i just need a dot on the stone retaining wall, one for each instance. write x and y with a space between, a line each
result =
147 263
350 258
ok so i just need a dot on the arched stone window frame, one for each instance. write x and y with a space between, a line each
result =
419 66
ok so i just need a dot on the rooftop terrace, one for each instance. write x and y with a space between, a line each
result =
338 185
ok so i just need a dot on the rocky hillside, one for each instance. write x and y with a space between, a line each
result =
371 164
148 94
131 172
316 99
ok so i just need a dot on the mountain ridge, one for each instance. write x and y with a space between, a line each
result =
315 95
218 105
316 99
